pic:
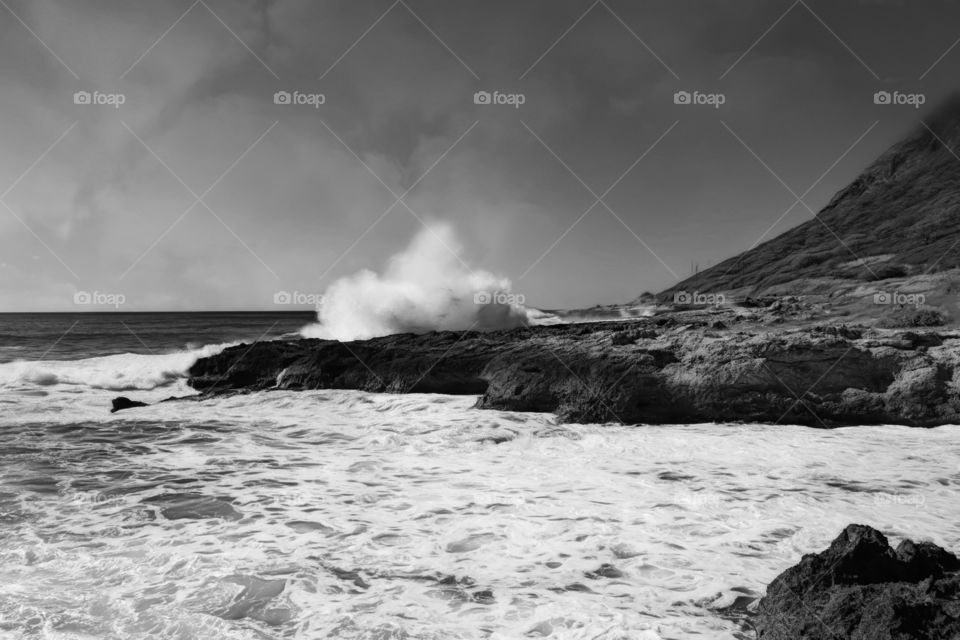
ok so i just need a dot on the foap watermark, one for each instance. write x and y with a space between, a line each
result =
95 498
909 499
899 98
299 98
99 299
98 98
696 501
293 499
895 297
686 297
498 297
512 99
699 98
298 298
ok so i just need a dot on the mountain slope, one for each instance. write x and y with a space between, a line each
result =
900 217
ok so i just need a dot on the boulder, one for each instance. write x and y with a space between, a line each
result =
121 403
862 589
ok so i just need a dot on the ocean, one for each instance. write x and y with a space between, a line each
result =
341 514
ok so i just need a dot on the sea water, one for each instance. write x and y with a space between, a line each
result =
344 514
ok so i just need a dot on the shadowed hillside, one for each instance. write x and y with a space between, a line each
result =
899 218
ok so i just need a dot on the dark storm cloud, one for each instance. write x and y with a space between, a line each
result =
291 205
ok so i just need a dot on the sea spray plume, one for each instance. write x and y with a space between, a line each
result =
426 287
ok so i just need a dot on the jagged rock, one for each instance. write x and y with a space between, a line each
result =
121 403
687 374
861 589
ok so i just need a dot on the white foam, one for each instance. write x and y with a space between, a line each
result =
391 486
121 372
426 287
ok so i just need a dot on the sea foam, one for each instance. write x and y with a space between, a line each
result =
120 372
425 287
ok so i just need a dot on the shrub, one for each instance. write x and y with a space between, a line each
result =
913 318
884 271
804 260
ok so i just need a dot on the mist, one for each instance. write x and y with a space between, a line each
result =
425 287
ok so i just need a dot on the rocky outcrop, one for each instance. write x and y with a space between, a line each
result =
677 368
862 589
121 403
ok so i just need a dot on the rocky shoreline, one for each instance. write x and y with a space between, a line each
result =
861 588
709 365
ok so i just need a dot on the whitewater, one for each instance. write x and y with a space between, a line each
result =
352 515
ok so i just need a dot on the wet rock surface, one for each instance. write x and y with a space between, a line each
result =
862 589
121 403
675 368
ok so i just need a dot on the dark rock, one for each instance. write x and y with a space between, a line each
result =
484 596
862 589
591 372
922 340
121 403
631 335
454 580
840 330
926 559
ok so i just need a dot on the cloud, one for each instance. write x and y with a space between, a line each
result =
300 210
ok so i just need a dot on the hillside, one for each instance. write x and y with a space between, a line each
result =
899 219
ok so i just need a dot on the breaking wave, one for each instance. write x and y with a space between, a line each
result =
426 287
120 372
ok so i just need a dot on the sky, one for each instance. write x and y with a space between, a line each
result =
187 181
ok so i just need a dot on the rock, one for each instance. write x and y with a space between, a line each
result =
631 336
861 589
921 340
642 371
484 596
841 330
121 403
